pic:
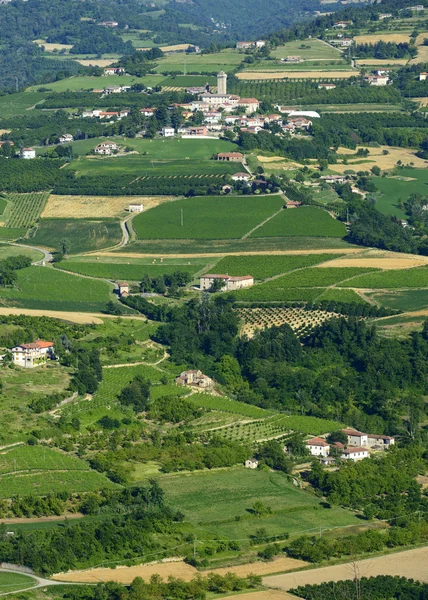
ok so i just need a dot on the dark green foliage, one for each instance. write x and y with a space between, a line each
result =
30 175
384 50
172 409
272 454
136 394
9 265
382 587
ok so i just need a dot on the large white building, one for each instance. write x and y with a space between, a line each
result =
33 354
355 454
28 153
318 447
356 438
229 283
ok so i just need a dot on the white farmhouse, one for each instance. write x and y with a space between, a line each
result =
318 447
355 454
168 132
64 139
355 438
135 208
229 283
251 463
28 153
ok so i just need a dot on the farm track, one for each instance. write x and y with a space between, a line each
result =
223 254
247 235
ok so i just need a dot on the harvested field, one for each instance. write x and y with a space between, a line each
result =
73 317
376 157
395 38
381 62
422 54
96 62
175 48
422 101
420 38
259 75
411 564
2 131
176 569
378 263
84 207
52 47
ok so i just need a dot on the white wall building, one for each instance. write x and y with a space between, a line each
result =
355 454
28 153
168 132
251 463
229 283
33 354
318 447
135 208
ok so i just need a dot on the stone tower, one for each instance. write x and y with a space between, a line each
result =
222 83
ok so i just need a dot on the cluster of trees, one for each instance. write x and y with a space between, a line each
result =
383 50
165 283
30 175
86 361
136 394
98 40
80 545
383 487
141 62
342 359
317 549
35 506
9 266
382 587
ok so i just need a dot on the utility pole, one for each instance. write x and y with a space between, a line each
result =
185 58
17 86
182 218
194 547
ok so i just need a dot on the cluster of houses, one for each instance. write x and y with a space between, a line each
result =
195 378
33 354
357 448
106 148
250 45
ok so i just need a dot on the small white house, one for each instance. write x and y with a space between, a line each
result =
251 463
380 441
355 454
66 138
318 447
241 177
423 76
33 354
135 208
106 148
123 288
28 153
168 132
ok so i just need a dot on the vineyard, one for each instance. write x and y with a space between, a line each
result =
42 483
261 267
305 221
25 209
26 458
394 279
299 319
276 427
223 404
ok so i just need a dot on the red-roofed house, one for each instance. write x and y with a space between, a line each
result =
230 156
33 354
318 447
355 454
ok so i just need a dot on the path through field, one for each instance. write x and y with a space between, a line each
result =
72 317
221 254
410 563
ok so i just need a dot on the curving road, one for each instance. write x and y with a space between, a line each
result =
39 581
47 256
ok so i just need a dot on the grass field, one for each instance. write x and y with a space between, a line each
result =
306 221
394 189
132 271
183 81
14 582
403 278
409 300
82 235
227 60
87 82
342 295
206 217
6 250
24 209
261 267
39 458
386 162
12 105
308 49
51 289
221 502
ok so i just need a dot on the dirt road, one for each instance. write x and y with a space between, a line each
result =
411 564
219 254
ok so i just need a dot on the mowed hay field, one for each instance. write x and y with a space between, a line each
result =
220 217
374 38
376 157
83 207
14 582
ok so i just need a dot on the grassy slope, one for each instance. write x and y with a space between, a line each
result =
50 289
132 272
304 221
82 235
261 267
206 217
213 500
394 189
406 278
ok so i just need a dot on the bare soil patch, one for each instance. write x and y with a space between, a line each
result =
411 564
83 207
381 62
176 569
265 595
215 254
51 47
175 48
377 263
73 317
395 38
18 520
2 131
376 157
259 75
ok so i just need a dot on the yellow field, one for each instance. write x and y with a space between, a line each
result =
422 101
51 47
381 62
375 157
178 569
376 263
96 62
395 38
83 207
2 131
259 75
175 48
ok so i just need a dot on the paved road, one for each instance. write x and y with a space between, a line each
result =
39 581
47 256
